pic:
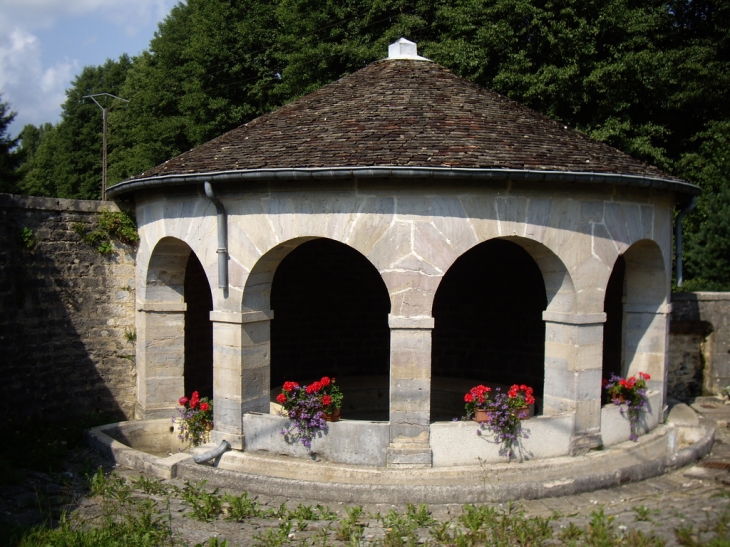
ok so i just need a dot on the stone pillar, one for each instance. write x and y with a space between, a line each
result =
160 358
573 368
646 333
241 370
410 391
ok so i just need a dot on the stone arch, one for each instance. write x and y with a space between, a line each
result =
331 318
645 311
488 310
162 358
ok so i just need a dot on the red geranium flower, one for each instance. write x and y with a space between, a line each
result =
326 400
183 401
204 406
468 398
281 398
325 381
289 386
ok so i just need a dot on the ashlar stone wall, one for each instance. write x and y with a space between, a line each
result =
412 236
67 322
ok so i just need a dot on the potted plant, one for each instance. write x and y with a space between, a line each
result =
477 403
307 406
520 398
196 419
631 392
331 399
506 413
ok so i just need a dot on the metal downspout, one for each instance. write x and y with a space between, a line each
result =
678 238
222 236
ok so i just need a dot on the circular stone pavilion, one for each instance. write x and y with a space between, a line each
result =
411 234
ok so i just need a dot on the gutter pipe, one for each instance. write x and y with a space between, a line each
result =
222 235
678 238
212 454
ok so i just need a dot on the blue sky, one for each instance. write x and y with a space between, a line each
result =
44 44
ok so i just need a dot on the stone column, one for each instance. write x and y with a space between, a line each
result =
241 370
573 368
410 391
646 332
160 358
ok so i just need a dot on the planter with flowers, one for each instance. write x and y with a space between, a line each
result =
504 413
196 419
310 407
631 392
477 403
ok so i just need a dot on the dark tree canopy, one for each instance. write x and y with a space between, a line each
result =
651 78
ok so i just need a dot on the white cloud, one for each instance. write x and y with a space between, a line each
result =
34 91
34 87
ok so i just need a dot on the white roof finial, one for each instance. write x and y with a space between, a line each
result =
404 49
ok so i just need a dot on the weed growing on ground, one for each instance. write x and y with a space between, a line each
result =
205 506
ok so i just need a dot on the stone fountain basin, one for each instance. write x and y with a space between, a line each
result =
151 446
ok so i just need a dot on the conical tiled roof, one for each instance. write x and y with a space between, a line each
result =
404 114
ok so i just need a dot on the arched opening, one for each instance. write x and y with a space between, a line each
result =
175 335
613 306
646 284
331 318
488 325
198 369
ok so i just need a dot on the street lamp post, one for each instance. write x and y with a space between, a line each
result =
104 111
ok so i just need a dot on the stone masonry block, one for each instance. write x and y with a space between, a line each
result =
394 245
410 395
341 215
373 220
413 208
311 215
281 217
511 212
163 391
449 218
411 365
482 215
431 245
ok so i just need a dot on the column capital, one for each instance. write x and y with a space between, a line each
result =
162 307
574 318
241 318
403 322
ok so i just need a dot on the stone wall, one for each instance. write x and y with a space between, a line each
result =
699 344
67 322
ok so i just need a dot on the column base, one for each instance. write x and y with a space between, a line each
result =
408 457
236 441
581 444
145 413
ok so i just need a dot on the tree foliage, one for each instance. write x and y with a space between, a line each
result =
10 159
651 78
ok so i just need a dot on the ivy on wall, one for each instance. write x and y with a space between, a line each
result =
117 224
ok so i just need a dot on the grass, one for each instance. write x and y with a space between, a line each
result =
127 518
137 512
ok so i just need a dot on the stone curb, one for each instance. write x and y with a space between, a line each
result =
473 484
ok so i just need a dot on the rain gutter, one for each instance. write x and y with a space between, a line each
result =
397 172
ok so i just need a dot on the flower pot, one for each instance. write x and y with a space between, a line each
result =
482 416
523 412
333 416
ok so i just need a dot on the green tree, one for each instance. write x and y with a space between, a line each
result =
66 162
9 157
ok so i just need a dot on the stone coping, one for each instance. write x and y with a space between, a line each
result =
699 296
56 204
667 447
